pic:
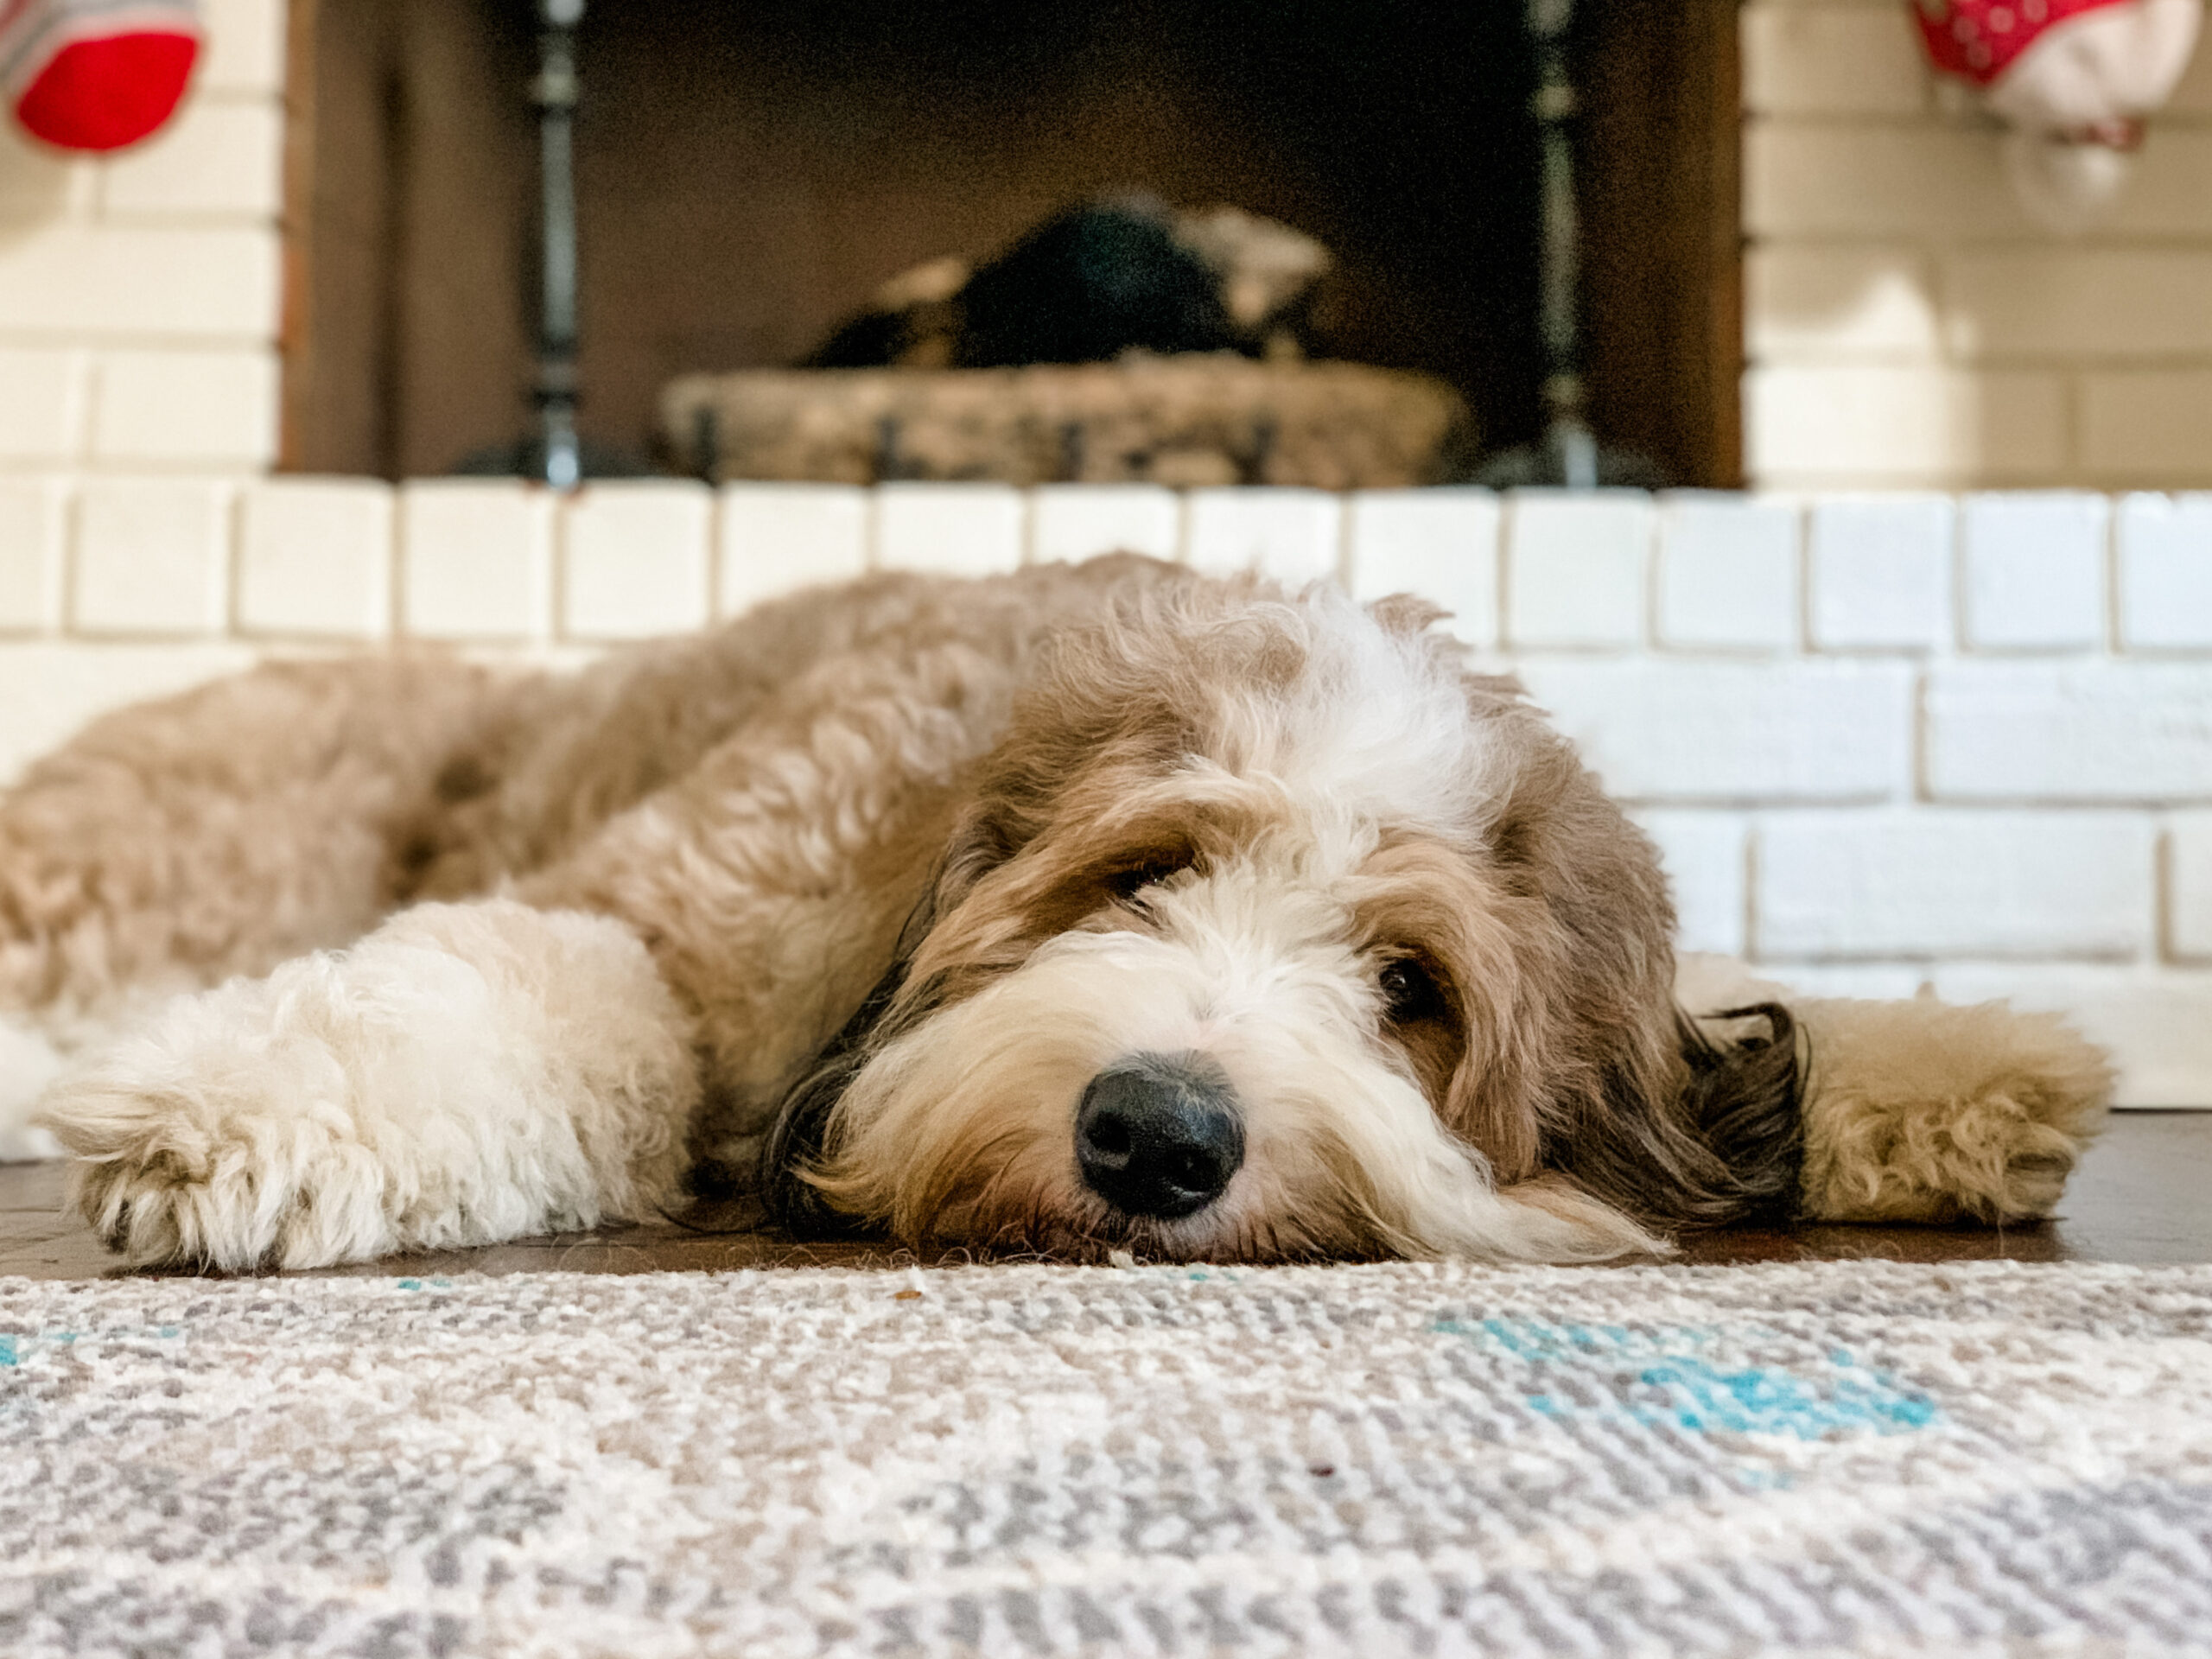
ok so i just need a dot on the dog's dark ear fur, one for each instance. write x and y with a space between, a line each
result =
1719 1142
1745 1098
797 1138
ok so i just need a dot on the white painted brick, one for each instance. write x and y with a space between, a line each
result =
1667 731
1831 61
1865 981
1441 545
37 182
1943 180
476 559
1076 521
2033 573
1727 572
2157 1023
33 522
1294 536
2148 427
1575 568
109 280
314 558
2069 732
1704 855
2192 94
216 157
1839 302
1880 570
2165 544
2188 884
2169 191
958 530
1854 425
42 403
50 689
152 556
776 538
213 408
636 559
1899 179
1936 883
2056 302
246 46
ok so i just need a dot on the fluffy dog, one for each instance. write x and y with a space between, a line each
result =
1089 909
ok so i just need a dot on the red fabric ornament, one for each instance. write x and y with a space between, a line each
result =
96 75
1977 40
2071 79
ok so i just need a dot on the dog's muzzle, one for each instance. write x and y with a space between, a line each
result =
1159 1134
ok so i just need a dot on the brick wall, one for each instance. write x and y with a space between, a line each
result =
1908 326
139 294
1884 743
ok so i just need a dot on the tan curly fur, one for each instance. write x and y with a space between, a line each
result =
1918 1111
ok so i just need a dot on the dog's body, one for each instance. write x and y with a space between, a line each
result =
1090 908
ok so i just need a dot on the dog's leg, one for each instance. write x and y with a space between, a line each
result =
1920 1110
465 1074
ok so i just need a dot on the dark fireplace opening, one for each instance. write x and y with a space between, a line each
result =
748 175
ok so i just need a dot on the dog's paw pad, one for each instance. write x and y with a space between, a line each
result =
1917 1111
216 1170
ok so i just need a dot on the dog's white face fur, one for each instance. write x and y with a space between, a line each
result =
1296 847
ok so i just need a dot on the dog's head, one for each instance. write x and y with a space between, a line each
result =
1270 930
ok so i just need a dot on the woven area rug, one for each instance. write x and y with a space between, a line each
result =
1856 1458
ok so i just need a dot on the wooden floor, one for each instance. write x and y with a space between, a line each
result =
2143 1195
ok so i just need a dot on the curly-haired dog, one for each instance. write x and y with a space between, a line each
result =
1085 909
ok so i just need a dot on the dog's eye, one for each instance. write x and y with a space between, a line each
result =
1411 994
1150 871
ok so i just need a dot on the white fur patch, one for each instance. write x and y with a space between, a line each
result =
465 1074
1373 727
28 1062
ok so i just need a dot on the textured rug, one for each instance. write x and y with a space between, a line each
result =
1862 1459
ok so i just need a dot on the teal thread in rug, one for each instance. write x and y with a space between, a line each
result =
1658 1378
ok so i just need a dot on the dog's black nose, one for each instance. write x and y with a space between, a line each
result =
1157 1135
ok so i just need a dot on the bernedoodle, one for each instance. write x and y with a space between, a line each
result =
1091 909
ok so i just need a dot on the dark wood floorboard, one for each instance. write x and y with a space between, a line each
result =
2144 1194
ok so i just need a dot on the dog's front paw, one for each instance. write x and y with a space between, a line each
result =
214 1140
465 1075
1920 1111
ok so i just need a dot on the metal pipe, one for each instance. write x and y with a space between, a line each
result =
554 94
1575 450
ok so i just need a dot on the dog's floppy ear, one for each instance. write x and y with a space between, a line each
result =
1709 1133
1744 1096
795 1139
798 1136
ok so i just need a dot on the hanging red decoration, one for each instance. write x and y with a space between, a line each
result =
96 75
2073 78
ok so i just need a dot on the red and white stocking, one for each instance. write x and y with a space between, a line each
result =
96 75
2073 78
